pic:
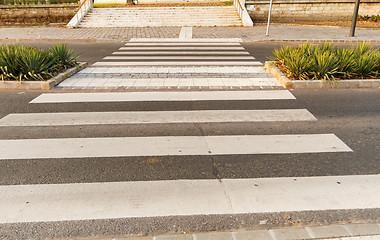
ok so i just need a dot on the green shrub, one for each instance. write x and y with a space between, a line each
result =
19 62
325 64
64 57
328 63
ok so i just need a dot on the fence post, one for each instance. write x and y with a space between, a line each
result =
355 18
269 16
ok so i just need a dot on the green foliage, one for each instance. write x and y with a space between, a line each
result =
18 62
325 64
328 63
64 57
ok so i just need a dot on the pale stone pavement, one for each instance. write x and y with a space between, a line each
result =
247 34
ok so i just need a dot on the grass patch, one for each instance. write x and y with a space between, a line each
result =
228 3
22 63
327 62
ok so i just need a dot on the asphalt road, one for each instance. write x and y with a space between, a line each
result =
353 115
92 52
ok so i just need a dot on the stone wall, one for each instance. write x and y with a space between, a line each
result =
287 11
36 14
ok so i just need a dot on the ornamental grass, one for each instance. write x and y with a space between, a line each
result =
22 63
327 62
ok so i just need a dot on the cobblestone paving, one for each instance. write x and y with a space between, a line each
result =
286 32
247 34
95 34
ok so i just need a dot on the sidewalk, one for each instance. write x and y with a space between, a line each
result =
247 34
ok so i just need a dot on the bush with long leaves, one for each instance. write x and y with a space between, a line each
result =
18 62
65 57
328 63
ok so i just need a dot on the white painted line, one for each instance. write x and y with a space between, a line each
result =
170 146
180 48
176 69
177 57
183 44
203 116
116 200
182 53
373 237
184 63
186 33
163 96
185 40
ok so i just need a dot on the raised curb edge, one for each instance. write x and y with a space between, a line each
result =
319 84
42 85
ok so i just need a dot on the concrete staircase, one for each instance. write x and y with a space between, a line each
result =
162 16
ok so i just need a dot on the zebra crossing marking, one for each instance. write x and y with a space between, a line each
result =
181 48
164 96
172 145
177 57
173 69
177 40
183 44
112 200
182 53
178 63
186 33
203 116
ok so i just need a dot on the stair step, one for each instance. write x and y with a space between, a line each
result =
162 16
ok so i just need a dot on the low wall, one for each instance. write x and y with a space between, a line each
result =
36 14
285 11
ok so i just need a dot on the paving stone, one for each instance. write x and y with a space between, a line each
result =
364 229
329 231
214 236
175 237
253 235
291 233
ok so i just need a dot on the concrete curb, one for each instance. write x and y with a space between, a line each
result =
350 231
319 84
41 85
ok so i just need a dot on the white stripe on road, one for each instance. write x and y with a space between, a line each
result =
163 96
186 40
170 146
85 201
182 44
181 48
175 69
186 33
181 53
177 57
177 63
203 116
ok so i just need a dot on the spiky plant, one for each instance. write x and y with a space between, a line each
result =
65 57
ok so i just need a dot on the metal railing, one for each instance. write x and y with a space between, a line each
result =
83 9
246 19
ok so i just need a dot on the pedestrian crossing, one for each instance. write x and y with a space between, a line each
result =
75 201
205 116
176 65
116 200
